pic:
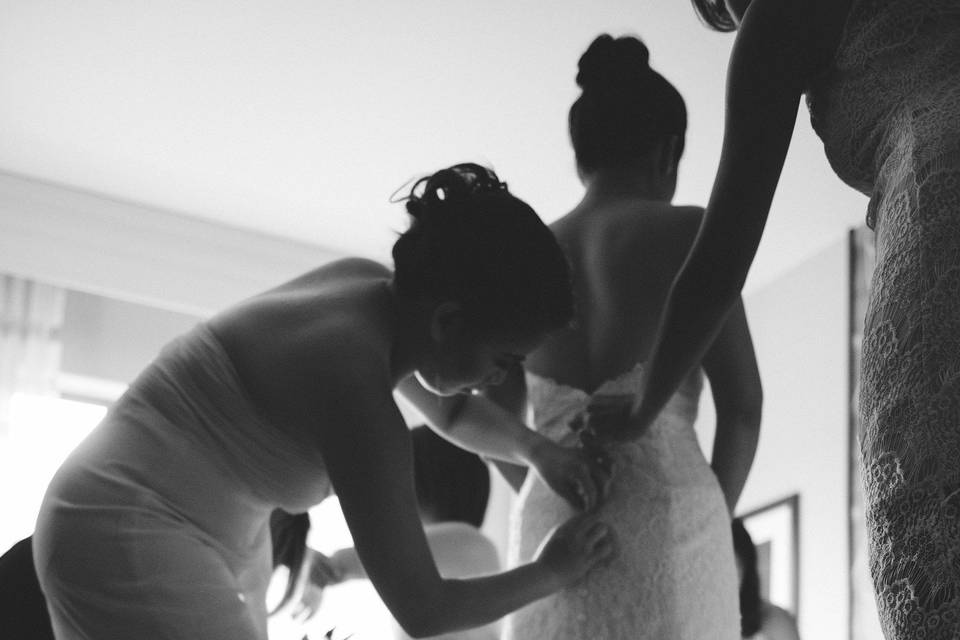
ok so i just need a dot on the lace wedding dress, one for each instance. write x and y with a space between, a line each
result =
675 576
888 111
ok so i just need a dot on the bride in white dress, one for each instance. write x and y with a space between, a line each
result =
675 577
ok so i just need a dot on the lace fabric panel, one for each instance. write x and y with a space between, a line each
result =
889 115
675 575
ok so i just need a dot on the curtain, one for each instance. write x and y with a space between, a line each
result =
31 319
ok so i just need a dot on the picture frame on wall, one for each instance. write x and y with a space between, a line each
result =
774 529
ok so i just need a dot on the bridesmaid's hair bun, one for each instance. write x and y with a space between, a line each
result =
440 193
610 64
626 108
473 242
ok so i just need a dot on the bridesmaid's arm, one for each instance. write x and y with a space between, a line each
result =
766 78
731 366
511 395
477 424
369 458
455 552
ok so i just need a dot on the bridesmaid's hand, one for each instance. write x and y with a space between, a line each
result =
309 604
577 476
324 570
318 572
575 547
607 419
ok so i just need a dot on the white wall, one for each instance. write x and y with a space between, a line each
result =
123 250
799 325
280 116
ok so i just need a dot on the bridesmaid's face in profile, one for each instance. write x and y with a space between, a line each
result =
473 362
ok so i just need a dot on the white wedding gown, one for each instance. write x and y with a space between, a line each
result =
675 577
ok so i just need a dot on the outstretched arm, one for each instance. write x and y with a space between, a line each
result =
766 78
367 451
731 366
455 553
510 395
477 424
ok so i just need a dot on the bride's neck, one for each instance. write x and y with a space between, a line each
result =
628 182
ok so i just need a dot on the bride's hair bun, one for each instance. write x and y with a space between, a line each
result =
626 107
610 64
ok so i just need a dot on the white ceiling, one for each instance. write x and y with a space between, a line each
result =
299 118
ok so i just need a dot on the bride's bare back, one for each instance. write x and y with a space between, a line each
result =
624 254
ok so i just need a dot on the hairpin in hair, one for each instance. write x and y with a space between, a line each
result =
406 188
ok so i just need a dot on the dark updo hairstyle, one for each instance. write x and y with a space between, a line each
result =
473 242
714 14
626 107
751 606
453 485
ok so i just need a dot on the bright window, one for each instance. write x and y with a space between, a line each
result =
353 607
42 430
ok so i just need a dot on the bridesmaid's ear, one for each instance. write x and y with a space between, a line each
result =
447 323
